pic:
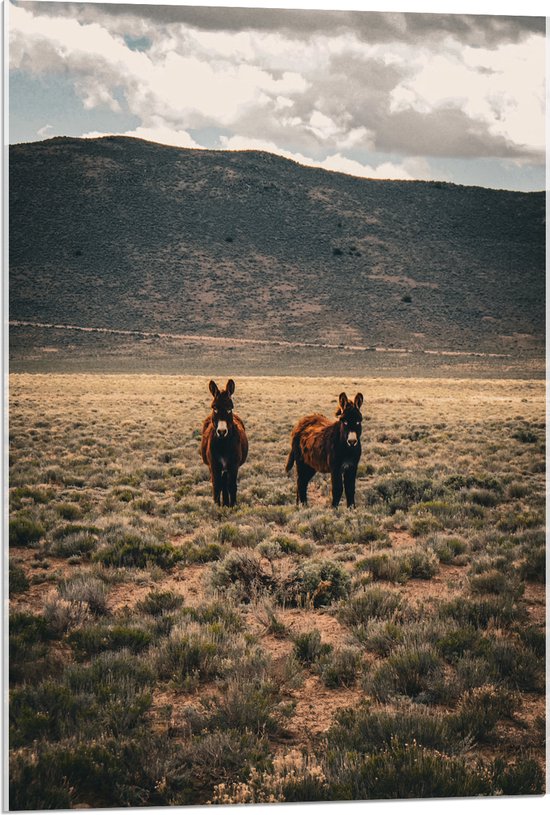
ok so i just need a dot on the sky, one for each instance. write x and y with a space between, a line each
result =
396 95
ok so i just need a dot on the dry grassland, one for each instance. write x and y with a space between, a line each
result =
166 651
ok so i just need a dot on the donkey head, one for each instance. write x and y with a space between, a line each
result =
350 419
222 407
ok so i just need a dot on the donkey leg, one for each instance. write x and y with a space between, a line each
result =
216 485
232 487
225 489
349 485
305 474
337 487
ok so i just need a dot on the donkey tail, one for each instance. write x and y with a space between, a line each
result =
290 460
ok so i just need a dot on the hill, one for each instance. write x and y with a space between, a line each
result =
129 235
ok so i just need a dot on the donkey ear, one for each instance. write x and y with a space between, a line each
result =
358 401
342 400
214 390
230 387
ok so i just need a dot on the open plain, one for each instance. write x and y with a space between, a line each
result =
166 651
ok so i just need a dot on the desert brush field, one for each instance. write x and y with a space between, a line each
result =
164 650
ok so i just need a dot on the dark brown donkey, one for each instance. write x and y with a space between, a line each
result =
224 446
321 446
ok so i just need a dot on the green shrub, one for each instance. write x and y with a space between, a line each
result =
24 531
459 641
18 582
534 566
410 671
402 493
90 640
159 602
247 706
29 639
399 567
316 583
364 730
448 549
517 665
340 667
86 590
71 512
385 566
308 647
138 550
372 603
244 574
494 581
479 710
201 551
293 546
216 612
482 612
76 544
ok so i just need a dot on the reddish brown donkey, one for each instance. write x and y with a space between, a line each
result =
319 445
224 445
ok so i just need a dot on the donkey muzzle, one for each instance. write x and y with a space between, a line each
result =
221 429
352 439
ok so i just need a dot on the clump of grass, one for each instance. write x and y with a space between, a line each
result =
243 573
251 705
216 612
132 548
482 612
415 671
479 710
266 616
525 436
241 536
195 652
398 567
200 550
75 544
25 531
371 604
402 493
159 602
105 698
461 640
292 546
516 664
30 636
365 730
68 510
316 583
308 647
19 496
397 771
340 667
534 566
449 549
18 582
494 581
85 590
93 639
269 549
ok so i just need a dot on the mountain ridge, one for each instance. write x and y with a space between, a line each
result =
126 233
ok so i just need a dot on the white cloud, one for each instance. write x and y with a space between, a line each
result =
156 133
502 87
43 131
412 168
327 94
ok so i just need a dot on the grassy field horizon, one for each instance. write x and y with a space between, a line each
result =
165 651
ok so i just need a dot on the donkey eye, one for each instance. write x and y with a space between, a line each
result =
229 410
